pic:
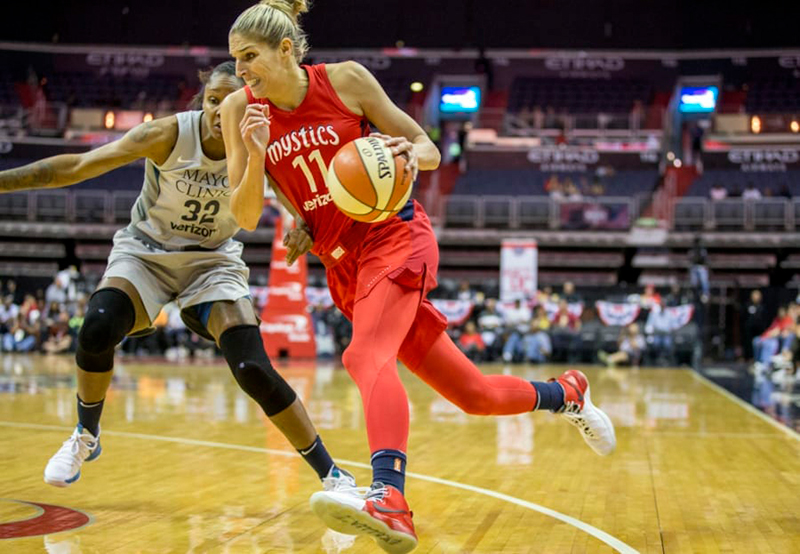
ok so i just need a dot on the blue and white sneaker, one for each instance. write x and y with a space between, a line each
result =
64 468
338 480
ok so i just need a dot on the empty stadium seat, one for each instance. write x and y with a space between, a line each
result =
90 206
51 205
122 202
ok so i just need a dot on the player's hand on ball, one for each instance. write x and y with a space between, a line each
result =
254 127
401 146
297 242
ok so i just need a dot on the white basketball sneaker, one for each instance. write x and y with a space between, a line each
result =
64 468
593 423
338 480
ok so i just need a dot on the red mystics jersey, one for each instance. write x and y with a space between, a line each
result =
302 145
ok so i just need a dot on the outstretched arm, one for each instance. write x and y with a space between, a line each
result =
153 140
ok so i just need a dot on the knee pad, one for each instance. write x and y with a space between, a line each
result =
110 316
244 352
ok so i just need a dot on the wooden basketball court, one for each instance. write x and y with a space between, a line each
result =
190 465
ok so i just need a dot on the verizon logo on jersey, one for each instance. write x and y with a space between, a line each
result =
305 137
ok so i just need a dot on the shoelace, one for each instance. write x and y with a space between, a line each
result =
576 418
376 493
343 483
71 447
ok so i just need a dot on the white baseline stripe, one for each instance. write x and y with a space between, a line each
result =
749 407
613 542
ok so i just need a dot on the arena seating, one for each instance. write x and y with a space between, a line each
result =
773 95
577 95
530 182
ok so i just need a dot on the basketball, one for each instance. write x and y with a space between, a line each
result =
366 182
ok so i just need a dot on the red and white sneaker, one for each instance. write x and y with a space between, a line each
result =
380 512
591 421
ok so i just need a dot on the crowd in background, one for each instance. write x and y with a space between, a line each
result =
719 192
774 347
547 327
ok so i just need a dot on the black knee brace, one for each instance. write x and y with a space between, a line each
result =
110 316
244 352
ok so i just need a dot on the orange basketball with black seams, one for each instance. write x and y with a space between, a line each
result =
366 182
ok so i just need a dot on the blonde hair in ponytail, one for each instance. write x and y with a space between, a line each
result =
271 21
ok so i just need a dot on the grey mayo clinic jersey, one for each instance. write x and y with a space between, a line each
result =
186 201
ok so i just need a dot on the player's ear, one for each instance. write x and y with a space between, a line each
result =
286 48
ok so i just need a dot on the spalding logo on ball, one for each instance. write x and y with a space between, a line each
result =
366 182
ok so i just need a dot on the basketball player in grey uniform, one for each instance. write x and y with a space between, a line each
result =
179 247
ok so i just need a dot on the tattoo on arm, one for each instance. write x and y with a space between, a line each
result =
144 131
36 175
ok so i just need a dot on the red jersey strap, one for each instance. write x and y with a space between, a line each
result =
320 75
250 98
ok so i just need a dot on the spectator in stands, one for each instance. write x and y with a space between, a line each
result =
697 131
546 295
517 321
537 118
751 192
565 331
76 321
525 117
675 296
8 317
698 271
631 345
636 116
718 192
11 288
658 331
465 292
24 335
58 291
30 308
557 192
550 118
471 343
755 322
571 191
59 340
569 293
650 297
596 188
536 342
342 330
785 191
564 319
490 325
777 337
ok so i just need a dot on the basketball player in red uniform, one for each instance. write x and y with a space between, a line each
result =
288 123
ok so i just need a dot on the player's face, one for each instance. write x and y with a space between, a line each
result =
261 66
217 88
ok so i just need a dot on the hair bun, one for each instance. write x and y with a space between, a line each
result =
292 8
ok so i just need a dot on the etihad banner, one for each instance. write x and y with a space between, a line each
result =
563 160
755 160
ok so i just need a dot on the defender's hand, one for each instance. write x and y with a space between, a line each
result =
297 242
